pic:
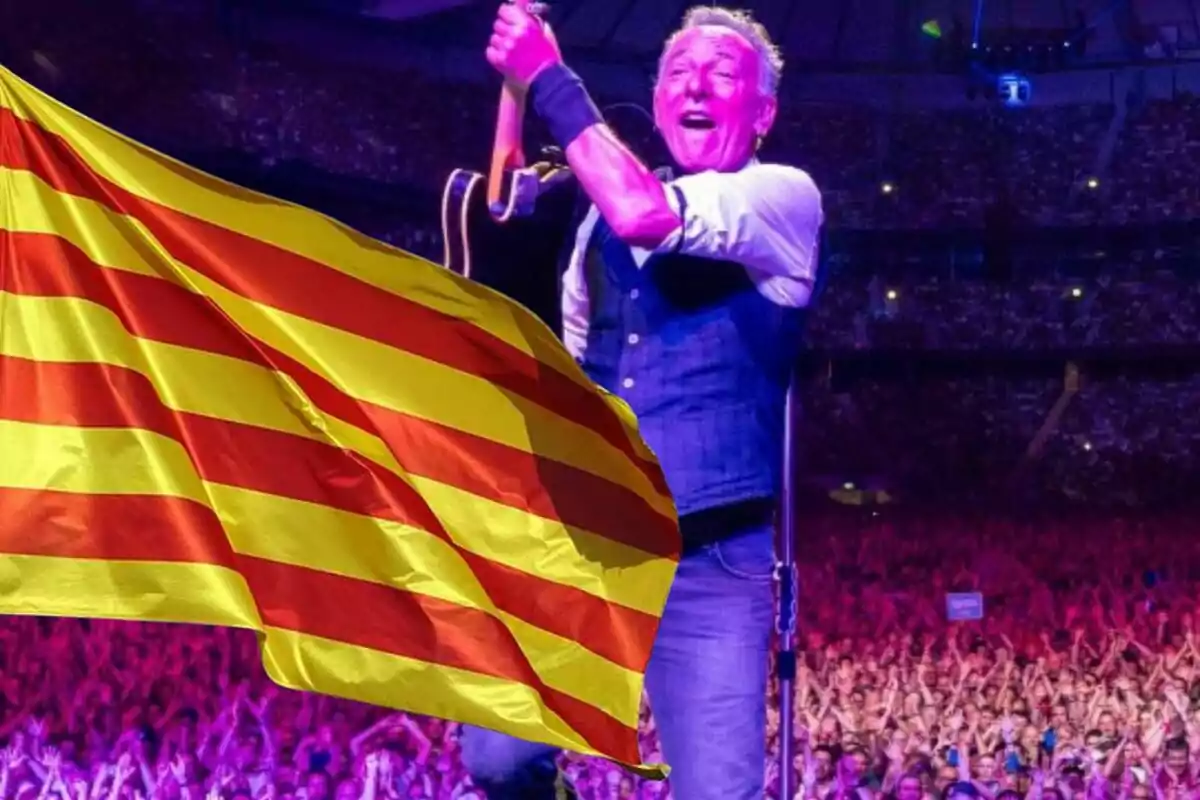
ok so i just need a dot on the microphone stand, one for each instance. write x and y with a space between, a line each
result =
785 620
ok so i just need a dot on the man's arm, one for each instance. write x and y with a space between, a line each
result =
628 195
632 200
766 217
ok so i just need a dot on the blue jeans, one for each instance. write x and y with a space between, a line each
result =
707 682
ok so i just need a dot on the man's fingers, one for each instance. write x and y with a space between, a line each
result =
511 13
505 28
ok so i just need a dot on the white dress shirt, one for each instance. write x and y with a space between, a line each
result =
765 217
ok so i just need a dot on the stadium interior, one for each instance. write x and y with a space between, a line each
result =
998 394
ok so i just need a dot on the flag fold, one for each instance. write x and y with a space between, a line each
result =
221 408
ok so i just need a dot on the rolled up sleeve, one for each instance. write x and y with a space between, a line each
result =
766 217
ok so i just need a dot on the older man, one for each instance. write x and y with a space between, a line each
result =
684 296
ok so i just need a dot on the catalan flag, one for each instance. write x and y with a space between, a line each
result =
220 408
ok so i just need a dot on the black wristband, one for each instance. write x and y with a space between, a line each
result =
560 99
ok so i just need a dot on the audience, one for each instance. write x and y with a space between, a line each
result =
1082 679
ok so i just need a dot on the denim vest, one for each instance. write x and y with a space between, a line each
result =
703 359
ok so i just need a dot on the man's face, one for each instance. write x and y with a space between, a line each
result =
824 765
707 102
1030 737
909 789
247 753
318 786
1058 717
1177 760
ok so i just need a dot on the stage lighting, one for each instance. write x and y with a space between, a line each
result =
1014 90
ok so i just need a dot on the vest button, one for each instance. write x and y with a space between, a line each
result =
634 338
634 294
627 383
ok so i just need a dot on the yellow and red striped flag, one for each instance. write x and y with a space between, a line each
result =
220 408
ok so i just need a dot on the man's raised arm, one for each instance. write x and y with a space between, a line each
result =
628 195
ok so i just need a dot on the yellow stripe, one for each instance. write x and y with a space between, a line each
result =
411 385
152 591
370 676
615 572
164 180
138 462
69 330
119 461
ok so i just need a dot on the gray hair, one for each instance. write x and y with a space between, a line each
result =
770 60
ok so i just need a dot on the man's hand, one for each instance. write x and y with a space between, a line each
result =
521 45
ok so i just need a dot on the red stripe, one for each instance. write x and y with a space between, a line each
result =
148 528
48 266
103 396
41 522
309 289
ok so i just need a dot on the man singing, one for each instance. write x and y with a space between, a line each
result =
685 297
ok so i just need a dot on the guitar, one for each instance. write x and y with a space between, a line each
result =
509 230
500 230
513 245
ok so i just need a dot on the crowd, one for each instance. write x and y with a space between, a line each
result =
1118 442
1140 298
1156 150
1082 680
1079 680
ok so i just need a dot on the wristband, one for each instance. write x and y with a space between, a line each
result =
560 99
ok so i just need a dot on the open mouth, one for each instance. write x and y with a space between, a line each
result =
697 122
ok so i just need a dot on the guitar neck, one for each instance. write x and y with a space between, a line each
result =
507 153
